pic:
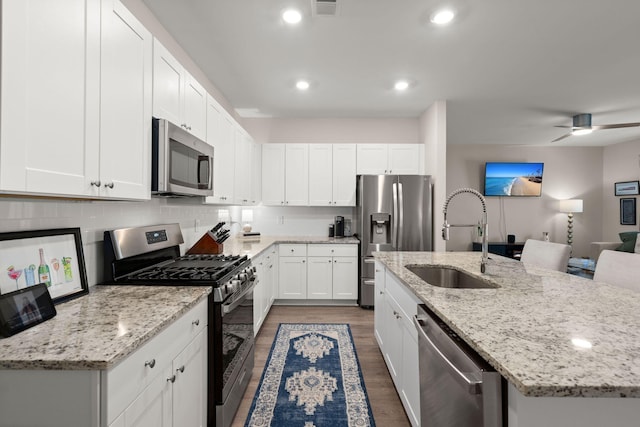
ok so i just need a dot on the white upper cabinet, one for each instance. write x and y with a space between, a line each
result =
296 175
125 104
53 85
380 159
344 175
321 175
256 174
243 171
76 95
220 134
273 172
177 96
332 174
404 159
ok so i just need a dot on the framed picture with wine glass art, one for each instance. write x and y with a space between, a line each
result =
53 257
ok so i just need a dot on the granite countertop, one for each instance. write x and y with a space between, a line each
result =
98 330
254 246
534 327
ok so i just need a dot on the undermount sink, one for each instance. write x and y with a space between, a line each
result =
445 277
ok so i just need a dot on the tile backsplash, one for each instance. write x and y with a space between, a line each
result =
94 217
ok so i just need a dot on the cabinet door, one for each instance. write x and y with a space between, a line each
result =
297 174
410 372
393 343
404 159
319 277
344 174
125 104
190 385
292 283
321 175
50 96
168 84
371 159
220 135
195 107
380 327
152 407
273 159
258 293
256 173
242 169
345 278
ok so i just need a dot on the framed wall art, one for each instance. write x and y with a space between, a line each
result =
53 257
627 188
628 211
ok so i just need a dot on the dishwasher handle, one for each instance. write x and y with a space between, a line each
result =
469 380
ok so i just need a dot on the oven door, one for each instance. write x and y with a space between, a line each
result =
234 339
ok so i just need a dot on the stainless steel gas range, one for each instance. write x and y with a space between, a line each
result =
151 256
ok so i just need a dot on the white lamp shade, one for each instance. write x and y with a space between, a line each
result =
571 205
247 215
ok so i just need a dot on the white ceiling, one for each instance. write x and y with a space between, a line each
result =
510 70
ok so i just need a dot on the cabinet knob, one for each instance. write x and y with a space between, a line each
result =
381 293
304 260
109 185
180 369
172 379
196 322
189 127
150 363
96 183
183 125
329 260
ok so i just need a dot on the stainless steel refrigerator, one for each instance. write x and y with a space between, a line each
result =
393 213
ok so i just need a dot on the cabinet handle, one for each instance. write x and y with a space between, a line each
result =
150 363
189 127
109 185
172 379
196 322
304 260
395 313
183 125
96 183
180 369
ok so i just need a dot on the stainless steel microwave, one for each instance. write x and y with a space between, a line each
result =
182 165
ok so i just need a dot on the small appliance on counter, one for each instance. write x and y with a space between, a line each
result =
339 226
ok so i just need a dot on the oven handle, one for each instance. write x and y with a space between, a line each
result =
227 308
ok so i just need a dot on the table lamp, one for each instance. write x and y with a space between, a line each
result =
570 206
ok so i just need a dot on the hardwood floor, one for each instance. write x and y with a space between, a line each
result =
385 403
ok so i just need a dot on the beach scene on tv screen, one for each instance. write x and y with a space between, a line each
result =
513 179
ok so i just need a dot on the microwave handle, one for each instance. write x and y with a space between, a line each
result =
204 170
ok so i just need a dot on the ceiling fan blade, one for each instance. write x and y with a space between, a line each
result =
617 126
566 135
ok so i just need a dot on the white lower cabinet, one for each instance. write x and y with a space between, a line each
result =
318 271
161 384
332 271
292 271
265 292
398 339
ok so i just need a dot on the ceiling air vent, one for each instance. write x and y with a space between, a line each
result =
325 7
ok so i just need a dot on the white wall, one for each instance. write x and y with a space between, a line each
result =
621 162
333 130
569 172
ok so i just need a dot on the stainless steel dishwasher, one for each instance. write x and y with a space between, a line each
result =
457 387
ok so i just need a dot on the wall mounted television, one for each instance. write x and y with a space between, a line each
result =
511 179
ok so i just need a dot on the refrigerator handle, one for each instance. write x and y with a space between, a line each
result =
400 222
394 228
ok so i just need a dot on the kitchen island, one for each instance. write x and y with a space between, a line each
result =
106 356
569 347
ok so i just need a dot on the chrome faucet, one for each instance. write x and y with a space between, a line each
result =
483 224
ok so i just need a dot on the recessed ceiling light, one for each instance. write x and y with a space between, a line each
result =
291 16
302 85
401 85
442 17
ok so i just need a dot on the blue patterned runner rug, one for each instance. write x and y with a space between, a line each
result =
312 379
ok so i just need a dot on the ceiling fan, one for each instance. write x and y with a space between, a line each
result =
582 126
